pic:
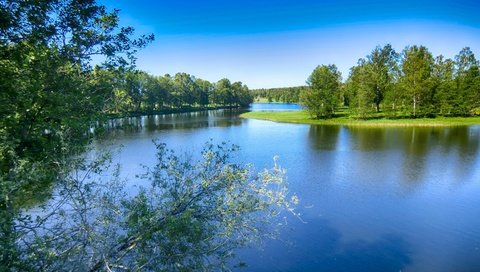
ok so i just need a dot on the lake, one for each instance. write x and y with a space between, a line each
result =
372 199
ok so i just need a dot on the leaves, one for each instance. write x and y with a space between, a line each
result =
191 215
322 98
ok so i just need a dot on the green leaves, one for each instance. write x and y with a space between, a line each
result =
189 215
413 84
48 100
322 98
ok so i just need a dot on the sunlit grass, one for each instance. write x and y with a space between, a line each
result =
302 117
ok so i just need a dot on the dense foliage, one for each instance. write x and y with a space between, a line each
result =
137 91
410 84
47 99
321 99
189 215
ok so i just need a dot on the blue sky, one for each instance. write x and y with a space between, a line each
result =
279 43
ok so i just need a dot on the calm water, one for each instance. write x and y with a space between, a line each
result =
373 199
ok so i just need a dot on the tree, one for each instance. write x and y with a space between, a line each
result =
203 90
416 80
185 88
190 216
135 87
383 63
245 97
48 99
467 82
154 95
166 84
371 80
446 97
321 99
222 94
361 89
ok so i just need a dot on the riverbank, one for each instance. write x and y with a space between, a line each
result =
185 109
302 117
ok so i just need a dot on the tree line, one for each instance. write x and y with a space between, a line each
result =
284 94
138 91
412 83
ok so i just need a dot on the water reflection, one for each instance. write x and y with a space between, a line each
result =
179 121
407 156
321 248
415 140
324 137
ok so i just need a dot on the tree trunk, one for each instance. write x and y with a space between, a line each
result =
414 106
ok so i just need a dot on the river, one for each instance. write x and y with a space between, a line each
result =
372 199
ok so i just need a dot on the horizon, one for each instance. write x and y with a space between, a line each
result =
267 44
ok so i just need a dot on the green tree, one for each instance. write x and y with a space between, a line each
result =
190 216
383 61
321 99
446 92
203 91
48 99
222 94
166 84
245 97
416 77
184 85
361 89
467 83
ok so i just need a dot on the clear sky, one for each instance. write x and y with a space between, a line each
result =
279 43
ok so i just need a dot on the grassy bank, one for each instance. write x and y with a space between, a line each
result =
302 117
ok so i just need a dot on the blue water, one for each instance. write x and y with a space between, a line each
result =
274 107
372 199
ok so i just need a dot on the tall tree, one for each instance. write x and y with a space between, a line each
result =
383 61
222 94
48 101
361 89
185 88
446 97
321 99
203 90
245 97
467 82
416 77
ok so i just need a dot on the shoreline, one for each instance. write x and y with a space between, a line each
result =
169 111
302 117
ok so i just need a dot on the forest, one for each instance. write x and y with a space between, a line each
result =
133 91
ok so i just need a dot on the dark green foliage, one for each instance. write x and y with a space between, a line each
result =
416 85
139 92
322 98
47 96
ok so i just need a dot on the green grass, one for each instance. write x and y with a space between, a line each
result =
302 117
